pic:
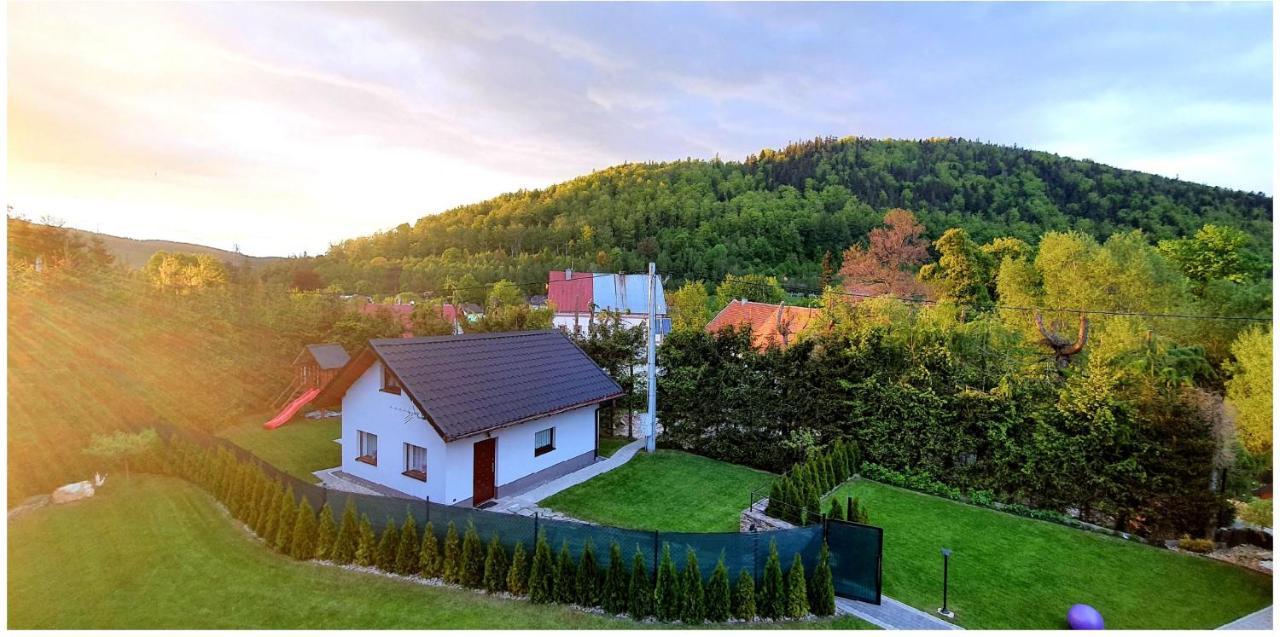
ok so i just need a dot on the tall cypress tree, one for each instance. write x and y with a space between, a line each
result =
271 514
284 529
495 566
822 592
472 558
614 598
541 573
744 596
639 590
692 595
565 585
429 558
407 551
388 543
302 545
837 511
797 592
719 604
344 545
366 543
769 600
666 589
326 534
451 564
588 587
518 574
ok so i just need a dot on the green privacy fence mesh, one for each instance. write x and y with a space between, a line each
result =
855 548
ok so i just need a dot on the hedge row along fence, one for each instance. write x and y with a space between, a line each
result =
796 496
546 561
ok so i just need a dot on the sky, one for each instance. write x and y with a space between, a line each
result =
281 128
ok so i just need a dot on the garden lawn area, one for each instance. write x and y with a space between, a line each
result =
667 490
298 448
155 552
609 445
1014 572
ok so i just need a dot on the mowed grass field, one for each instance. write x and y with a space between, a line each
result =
1013 572
157 553
298 448
667 490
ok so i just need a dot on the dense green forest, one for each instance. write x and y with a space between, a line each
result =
778 212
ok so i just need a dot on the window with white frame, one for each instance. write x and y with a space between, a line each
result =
544 441
368 448
415 462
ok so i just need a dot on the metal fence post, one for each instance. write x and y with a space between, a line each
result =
535 530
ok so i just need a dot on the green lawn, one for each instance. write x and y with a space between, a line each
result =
298 448
1012 572
610 444
156 553
668 490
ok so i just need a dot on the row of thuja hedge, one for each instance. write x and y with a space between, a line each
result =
292 527
796 496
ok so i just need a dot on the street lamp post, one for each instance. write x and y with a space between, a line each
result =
944 611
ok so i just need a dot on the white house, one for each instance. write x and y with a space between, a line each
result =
466 419
577 296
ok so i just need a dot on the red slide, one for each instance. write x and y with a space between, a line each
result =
292 408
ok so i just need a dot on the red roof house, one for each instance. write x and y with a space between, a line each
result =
404 313
771 325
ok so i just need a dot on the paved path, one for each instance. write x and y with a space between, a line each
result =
1260 620
892 614
527 503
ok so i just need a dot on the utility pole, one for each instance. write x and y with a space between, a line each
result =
651 432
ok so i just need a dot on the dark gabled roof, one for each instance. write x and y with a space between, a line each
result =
329 355
474 383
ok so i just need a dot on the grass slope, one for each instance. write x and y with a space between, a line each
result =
668 490
298 448
1011 572
157 553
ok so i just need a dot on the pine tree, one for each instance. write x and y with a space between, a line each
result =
564 586
366 543
541 573
692 595
518 575
769 600
814 505
429 554
666 589
797 592
302 545
284 530
271 514
495 566
836 512
614 596
472 558
744 596
344 545
326 534
857 513
388 544
718 598
588 586
451 565
639 590
822 592
407 551
260 488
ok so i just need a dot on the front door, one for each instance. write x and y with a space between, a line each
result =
485 456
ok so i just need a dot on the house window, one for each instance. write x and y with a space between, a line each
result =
368 448
415 462
390 383
544 441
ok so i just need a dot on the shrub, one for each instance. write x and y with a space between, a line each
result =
366 543
857 512
472 558
1258 512
429 557
518 574
388 543
564 584
495 566
744 596
344 545
301 546
271 514
666 593
326 534
541 573
1196 545
719 602
837 511
822 592
284 528
982 497
614 597
588 587
639 591
407 550
797 592
769 598
451 563
692 595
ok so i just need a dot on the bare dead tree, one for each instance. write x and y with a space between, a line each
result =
1064 349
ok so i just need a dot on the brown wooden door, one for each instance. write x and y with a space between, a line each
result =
485 456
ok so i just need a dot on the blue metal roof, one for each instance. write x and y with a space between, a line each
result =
625 293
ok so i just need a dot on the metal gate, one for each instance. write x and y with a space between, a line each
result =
856 559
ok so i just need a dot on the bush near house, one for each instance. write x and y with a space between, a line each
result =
795 496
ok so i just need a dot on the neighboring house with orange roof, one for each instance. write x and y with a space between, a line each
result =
771 325
403 312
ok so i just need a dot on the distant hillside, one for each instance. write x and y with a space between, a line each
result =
778 212
135 252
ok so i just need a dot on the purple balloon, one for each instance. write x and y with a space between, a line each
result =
1084 617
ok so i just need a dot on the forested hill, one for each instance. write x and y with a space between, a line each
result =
778 212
